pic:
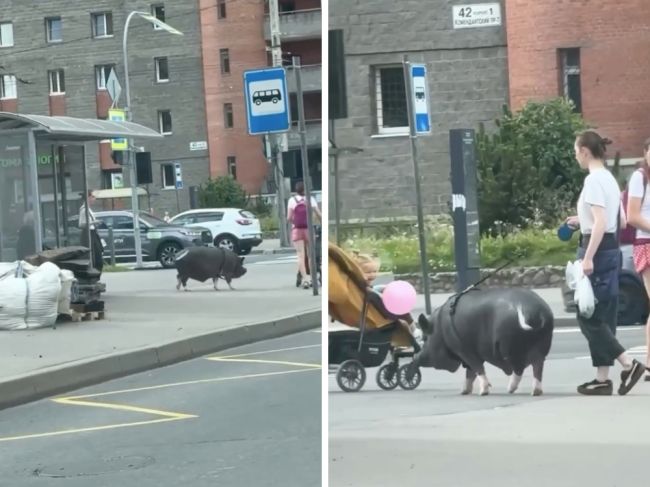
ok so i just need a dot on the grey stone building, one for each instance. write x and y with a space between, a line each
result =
55 57
467 79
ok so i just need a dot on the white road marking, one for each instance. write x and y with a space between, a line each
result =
577 330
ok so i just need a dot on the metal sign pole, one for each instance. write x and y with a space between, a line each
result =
408 81
337 194
305 175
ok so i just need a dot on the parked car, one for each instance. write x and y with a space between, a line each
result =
232 228
160 240
633 305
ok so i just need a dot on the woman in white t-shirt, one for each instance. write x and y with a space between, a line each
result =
297 215
638 215
599 217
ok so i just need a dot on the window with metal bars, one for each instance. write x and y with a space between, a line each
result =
390 98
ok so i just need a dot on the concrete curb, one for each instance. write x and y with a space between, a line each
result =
74 375
283 251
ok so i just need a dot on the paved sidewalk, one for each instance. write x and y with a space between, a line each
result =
149 324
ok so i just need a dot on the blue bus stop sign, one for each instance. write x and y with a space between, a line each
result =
267 101
420 99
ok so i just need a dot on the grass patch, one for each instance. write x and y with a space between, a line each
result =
400 253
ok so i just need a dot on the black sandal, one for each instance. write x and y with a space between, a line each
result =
647 377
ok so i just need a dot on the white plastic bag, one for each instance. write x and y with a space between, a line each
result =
13 303
67 279
44 288
584 297
584 293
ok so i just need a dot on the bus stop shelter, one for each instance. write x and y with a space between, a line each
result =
44 175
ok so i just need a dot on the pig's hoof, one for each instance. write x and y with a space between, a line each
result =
537 392
485 392
466 392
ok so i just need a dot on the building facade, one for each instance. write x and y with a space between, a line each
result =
593 52
236 37
55 60
467 79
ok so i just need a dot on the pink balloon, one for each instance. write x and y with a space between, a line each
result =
399 297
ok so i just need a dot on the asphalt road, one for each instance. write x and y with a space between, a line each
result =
435 436
253 418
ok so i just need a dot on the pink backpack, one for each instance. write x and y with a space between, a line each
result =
300 214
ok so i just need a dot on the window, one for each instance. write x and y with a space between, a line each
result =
228 119
158 11
6 34
390 97
102 72
209 217
221 9
168 176
224 54
122 222
54 29
57 82
102 24
570 79
162 69
232 166
8 87
165 122
287 6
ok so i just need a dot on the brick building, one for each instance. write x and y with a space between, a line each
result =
236 37
55 59
467 78
595 53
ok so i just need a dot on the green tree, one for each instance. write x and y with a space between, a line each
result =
527 173
222 192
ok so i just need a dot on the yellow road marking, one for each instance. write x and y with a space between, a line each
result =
259 361
122 407
192 382
266 351
84 430
167 415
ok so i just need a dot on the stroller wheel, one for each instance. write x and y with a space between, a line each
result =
351 376
387 377
409 377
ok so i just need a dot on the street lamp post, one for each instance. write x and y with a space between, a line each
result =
130 161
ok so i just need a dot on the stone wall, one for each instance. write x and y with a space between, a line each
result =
527 277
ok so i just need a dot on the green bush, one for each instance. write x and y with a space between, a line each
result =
259 207
269 223
222 192
527 173
400 253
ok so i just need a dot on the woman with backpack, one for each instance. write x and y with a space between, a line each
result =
297 215
638 215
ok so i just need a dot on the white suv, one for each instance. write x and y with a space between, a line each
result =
232 228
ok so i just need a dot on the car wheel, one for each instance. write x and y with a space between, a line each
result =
258 102
275 100
632 302
227 242
167 254
245 250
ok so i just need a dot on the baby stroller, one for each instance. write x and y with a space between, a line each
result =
318 239
379 332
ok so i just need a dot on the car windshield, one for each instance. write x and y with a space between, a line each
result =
154 221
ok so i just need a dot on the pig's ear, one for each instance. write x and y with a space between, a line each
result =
425 324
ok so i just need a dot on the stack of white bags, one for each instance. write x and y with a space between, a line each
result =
33 297
584 293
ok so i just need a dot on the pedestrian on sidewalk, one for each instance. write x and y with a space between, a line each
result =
599 216
297 215
95 244
638 216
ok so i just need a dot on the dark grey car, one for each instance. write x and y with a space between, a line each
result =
633 305
160 240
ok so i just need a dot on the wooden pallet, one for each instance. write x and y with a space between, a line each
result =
87 316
